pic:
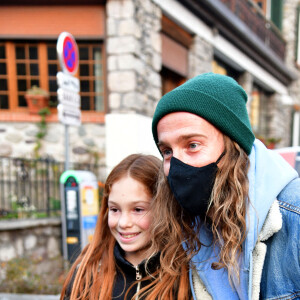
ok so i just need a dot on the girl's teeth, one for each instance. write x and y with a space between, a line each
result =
128 236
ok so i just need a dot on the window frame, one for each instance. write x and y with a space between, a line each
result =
20 113
5 76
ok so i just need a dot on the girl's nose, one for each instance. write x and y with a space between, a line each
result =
125 220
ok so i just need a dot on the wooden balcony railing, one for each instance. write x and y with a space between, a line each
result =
249 13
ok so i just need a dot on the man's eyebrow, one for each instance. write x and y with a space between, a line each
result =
159 144
190 135
183 138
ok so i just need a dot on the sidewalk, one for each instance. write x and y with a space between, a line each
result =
28 297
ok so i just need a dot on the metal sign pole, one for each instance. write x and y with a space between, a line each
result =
68 109
66 147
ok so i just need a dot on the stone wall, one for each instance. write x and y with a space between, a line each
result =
134 56
289 30
85 142
200 57
280 120
39 239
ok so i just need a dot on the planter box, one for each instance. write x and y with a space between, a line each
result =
36 102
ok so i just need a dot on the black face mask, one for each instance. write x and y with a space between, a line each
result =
192 186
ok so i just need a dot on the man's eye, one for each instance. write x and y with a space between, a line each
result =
166 153
193 145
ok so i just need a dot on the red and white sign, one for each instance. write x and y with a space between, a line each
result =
67 51
69 86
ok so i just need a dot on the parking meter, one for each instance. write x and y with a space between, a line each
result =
80 208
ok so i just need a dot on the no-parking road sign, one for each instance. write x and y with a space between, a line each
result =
67 51
68 92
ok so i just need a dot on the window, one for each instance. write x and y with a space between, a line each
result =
265 6
259 112
91 77
219 67
37 64
27 69
276 13
175 46
53 68
3 78
170 80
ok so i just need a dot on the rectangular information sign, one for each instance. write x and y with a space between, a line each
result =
69 115
68 82
68 98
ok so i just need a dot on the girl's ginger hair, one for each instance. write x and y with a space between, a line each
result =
95 268
226 215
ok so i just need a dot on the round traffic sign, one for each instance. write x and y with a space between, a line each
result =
67 52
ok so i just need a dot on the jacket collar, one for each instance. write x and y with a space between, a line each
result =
125 265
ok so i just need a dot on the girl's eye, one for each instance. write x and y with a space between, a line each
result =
139 210
113 209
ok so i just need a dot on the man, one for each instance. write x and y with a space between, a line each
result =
246 197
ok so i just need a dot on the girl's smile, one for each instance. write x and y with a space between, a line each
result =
129 217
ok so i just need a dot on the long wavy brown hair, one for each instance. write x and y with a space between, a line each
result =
226 215
92 274
228 203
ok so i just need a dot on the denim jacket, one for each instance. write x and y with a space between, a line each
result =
281 271
270 265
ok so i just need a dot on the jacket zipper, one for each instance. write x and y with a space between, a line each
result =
138 276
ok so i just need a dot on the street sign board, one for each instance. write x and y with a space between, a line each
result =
69 115
67 51
68 99
68 82
69 86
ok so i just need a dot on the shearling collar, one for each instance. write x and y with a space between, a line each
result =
272 224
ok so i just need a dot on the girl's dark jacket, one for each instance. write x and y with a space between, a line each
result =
126 275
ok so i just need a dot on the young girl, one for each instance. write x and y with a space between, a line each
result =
125 259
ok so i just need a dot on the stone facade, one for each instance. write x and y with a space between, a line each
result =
134 56
289 30
85 142
279 120
200 57
134 63
37 239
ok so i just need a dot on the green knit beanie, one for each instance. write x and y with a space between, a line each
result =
218 99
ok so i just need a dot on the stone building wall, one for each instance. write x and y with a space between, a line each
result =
200 57
246 81
85 142
36 239
279 120
134 62
282 114
289 29
134 56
